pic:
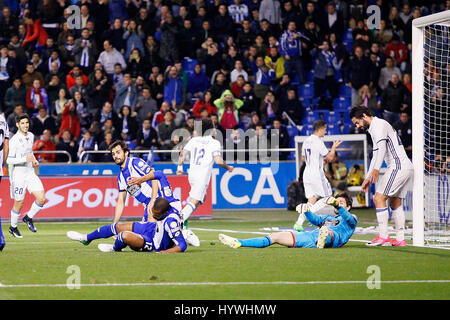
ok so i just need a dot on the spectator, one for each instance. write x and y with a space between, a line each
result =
126 93
271 11
359 72
107 112
36 35
99 87
263 77
219 86
104 145
44 143
246 37
146 106
157 88
228 108
213 59
58 105
8 71
128 122
386 73
165 130
222 23
276 62
269 107
159 115
14 95
198 83
87 143
30 75
73 74
238 11
36 96
384 34
146 137
393 99
67 54
117 10
82 109
11 119
81 87
237 87
8 24
115 35
291 47
333 22
42 121
70 120
404 130
204 103
282 88
134 37
173 87
293 107
325 71
85 51
279 138
169 31
238 71
109 57
248 97
137 66
66 143
398 51
367 97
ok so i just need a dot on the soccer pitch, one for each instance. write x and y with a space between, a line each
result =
40 266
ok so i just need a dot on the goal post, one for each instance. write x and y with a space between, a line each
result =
430 131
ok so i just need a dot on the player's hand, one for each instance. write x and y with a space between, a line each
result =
30 158
179 172
35 163
374 176
230 168
331 201
134 181
365 185
336 144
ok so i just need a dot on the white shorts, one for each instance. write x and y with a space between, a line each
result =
395 183
199 187
321 188
20 181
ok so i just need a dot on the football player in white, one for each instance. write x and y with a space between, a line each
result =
23 176
204 152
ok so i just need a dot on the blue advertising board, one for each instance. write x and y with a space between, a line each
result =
249 186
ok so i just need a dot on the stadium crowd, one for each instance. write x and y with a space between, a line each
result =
138 70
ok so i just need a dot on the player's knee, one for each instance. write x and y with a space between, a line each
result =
379 200
40 201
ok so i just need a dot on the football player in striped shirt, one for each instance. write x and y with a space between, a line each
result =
4 149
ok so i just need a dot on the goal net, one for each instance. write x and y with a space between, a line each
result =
431 129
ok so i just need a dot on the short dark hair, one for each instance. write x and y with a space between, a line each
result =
359 111
348 199
162 206
318 124
206 125
22 116
120 143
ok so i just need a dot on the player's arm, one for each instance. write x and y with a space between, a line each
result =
221 163
348 217
5 150
173 228
378 154
315 219
14 157
180 161
332 154
120 206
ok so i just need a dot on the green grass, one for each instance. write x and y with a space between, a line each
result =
32 266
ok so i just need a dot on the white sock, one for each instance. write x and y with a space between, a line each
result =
187 211
14 218
301 217
399 219
383 218
35 208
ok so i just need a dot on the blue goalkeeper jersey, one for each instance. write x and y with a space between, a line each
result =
343 225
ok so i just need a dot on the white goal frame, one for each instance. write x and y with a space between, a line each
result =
418 129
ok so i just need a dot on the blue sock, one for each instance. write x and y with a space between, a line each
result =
119 244
260 242
103 232
2 238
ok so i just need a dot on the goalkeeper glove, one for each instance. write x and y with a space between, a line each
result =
331 201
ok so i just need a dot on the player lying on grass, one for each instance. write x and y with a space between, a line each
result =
162 236
334 231
191 238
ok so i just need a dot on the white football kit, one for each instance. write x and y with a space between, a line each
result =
314 180
387 146
203 150
22 175
4 134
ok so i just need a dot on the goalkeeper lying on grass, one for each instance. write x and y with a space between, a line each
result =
334 231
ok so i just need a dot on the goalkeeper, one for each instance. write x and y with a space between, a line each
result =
334 231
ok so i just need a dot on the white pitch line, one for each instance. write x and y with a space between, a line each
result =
165 284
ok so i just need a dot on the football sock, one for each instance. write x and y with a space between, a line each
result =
187 211
2 238
260 242
103 232
14 218
35 208
383 217
119 244
399 219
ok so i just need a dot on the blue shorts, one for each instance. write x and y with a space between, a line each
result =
145 229
305 239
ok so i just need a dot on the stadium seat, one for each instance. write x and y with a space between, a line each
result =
189 65
310 117
306 91
292 131
345 91
346 128
333 129
307 130
348 35
348 45
333 118
322 114
342 103
310 76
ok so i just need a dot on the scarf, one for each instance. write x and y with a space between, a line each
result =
50 61
84 62
39 97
